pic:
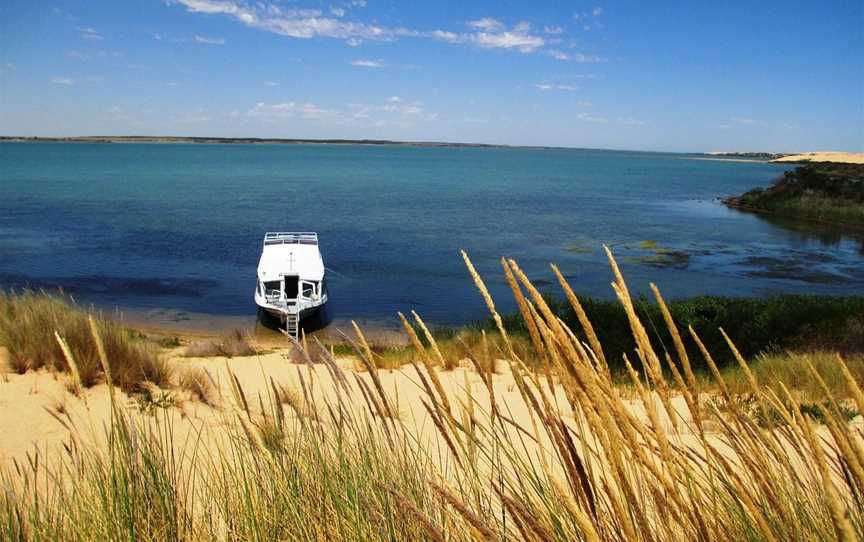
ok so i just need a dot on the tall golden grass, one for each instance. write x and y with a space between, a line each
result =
31 322
591 464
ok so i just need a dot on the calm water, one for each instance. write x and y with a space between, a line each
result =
177 228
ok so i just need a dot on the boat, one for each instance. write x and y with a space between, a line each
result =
291 283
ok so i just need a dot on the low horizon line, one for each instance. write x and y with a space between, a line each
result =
372 141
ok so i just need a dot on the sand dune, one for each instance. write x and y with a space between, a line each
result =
840 157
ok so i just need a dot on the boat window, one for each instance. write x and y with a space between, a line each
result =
308 289
272 287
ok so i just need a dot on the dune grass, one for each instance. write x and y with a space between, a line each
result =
586 466
229 345
31 323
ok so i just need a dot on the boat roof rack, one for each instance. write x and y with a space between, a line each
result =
290 238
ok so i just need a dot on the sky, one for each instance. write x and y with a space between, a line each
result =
779 76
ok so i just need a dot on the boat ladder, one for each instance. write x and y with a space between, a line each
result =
292 325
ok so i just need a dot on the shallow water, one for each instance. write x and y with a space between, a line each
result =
175 230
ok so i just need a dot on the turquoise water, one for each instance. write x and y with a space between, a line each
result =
179 227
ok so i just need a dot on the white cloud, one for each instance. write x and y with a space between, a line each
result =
486 33
358 3
584 103
337 11
283 110
546 86
271 83
365 63
581 58
62 80
295 23
89 33
596 12
487 24
741 120
553 30
443 35
209 41
630 121
590 118
393 111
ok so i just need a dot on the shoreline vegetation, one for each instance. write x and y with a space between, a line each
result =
535 438
830 193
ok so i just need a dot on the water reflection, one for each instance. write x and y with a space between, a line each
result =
828 235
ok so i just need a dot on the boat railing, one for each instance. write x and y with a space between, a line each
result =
290 238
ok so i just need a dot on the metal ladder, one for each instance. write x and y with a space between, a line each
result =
292 325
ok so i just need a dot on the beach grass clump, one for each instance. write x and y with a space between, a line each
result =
568 456
33 325
233 344
199 384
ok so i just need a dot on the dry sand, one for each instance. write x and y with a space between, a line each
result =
839 157
39 414
30 404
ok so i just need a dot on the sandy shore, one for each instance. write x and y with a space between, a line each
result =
32 405
840 157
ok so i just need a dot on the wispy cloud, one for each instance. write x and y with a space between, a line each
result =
295 23
209 41
283 110
579 58
630 121
553 30
490 33
547 86
366 63
62 81
394 111
485 33
743 120
591 118
581 16
89 33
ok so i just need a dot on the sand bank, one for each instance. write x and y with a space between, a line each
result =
840 157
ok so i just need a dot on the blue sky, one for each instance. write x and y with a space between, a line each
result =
686 76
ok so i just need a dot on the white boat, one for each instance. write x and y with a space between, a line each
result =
291 278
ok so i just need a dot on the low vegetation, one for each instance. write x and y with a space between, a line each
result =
233 344
749 462
762 327
35 325
825 192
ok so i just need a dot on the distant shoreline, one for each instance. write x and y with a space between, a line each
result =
747 157
266 141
